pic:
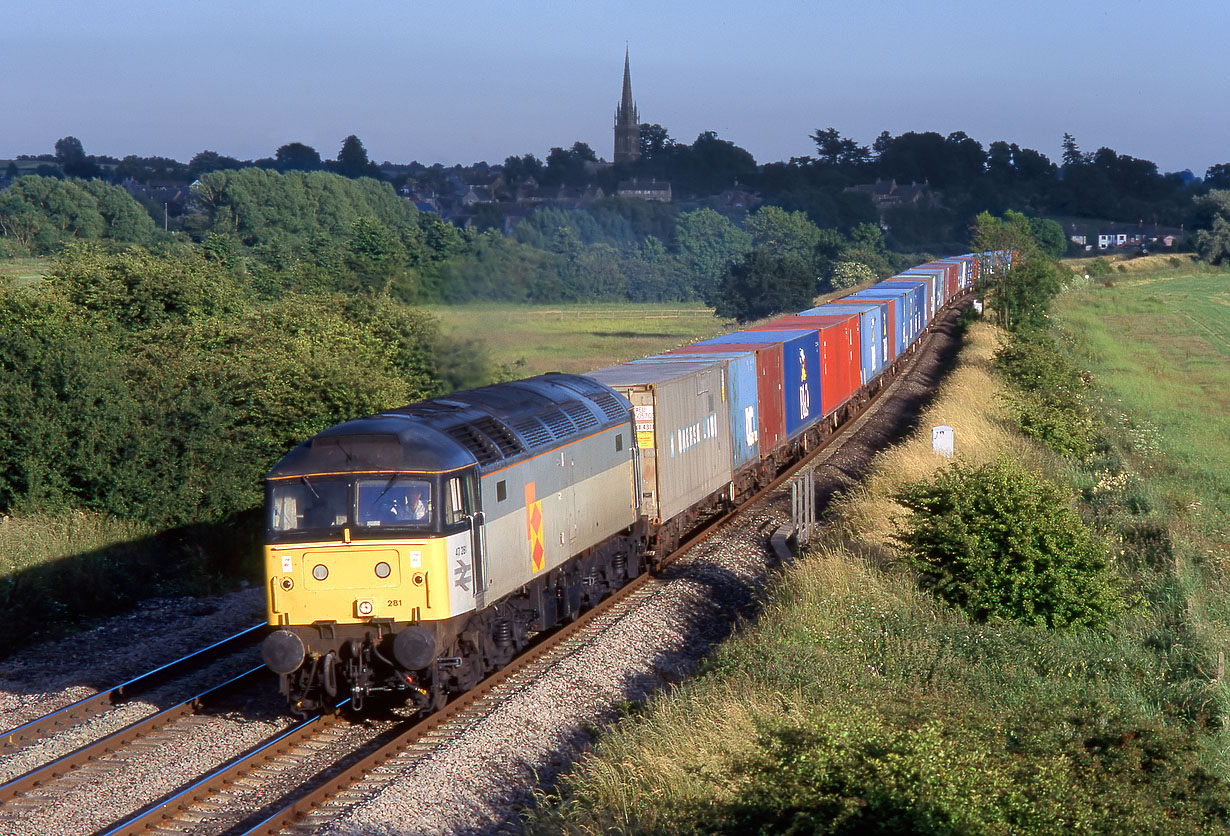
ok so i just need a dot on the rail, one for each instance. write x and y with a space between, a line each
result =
74 713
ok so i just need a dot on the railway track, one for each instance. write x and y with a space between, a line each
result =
303 776
93 759
78 712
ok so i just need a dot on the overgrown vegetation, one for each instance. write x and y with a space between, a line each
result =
859 701
1001 542
1048 394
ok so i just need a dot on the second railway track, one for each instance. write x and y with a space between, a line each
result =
477 762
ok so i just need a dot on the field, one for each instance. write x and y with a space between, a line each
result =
576 338
1158 347
23 270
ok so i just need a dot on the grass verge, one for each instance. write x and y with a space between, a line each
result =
576 338
858 703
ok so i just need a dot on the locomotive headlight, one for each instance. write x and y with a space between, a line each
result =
320 572
288 584
382 569
364 606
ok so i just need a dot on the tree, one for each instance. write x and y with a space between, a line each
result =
710 164
40 213
1071 152
1213 244
708 244
520 169
72 159
1049 236
654 141
352 160
766 282
295 156
1216 177
850 273
788 233
835 150
1021 296
207 161
570 167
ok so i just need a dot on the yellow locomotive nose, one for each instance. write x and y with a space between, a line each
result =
352 583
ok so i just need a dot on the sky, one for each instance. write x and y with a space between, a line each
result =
469 80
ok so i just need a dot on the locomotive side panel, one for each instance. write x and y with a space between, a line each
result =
541 511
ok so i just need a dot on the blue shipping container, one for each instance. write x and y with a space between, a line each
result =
739 394
800 367
871 336
897 325
935 279
916 293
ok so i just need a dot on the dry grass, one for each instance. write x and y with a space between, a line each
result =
968 402
30 541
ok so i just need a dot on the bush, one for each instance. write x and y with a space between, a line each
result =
1000 541
1049 401
1098 268
846 770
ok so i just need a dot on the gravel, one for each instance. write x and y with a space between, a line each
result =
489 771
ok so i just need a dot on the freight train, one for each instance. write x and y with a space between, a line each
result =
411 552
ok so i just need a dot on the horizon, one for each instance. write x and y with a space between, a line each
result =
424 85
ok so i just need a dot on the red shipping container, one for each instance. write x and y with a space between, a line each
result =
951 277
891 325
770 394
840 369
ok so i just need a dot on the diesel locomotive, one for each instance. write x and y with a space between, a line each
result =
411 552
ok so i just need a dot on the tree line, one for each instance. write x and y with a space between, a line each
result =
159 386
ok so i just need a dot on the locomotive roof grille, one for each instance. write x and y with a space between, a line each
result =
489 440
580 415
610 406
533 431
508 443
557 422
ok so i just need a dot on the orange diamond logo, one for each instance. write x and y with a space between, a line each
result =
533 526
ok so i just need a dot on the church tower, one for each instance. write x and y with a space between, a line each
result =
627 122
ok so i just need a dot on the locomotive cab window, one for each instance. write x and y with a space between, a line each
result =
308 503
393 501
459 501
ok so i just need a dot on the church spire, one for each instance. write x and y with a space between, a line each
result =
627 121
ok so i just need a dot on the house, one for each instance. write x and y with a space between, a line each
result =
887 194
476 194
653 190
1137 235
737 197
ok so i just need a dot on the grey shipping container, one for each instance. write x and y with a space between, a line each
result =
740 397
682 429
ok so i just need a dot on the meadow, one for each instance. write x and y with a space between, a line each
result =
533 339
23 270
1159 349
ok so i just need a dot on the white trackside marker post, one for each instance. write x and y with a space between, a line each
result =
942 440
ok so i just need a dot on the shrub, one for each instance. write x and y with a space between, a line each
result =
1000 541
1098 268
1049 401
